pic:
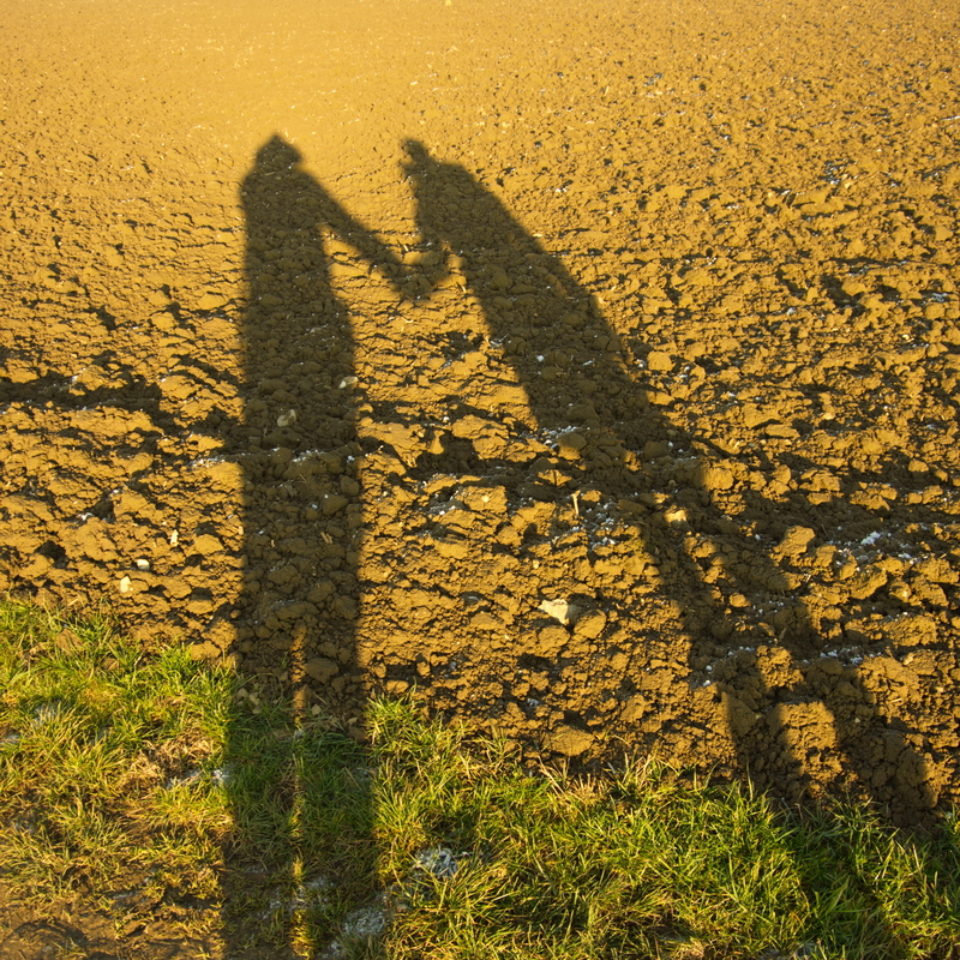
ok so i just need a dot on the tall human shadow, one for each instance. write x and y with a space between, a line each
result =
570 363
300 809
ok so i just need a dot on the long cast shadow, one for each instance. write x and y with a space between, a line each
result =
300 805
581 392
299 796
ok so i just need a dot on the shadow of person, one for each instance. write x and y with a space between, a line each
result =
605 432
603 428
608 434
301 814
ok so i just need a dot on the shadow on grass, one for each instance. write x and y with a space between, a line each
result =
647 863
301 841
116 780
301 858
304 819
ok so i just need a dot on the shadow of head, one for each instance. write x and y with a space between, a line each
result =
277 154
419 161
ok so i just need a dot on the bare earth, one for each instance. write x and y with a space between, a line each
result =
591 367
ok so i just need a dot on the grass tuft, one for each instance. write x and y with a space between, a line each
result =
644 864
125 771
105 759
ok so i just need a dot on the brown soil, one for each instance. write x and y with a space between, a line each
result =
347 343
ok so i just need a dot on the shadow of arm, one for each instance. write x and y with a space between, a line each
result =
410 280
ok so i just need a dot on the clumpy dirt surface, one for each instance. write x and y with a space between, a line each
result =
592 368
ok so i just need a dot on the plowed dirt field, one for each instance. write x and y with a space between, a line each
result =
592 368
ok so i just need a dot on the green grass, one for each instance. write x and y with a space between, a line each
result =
105 760
645 864
122 770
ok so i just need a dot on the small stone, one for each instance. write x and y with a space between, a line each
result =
142 564
211 301
659 362
560 610
569 741
124 585
287 419
321 669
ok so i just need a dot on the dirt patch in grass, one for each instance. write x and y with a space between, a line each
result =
593 370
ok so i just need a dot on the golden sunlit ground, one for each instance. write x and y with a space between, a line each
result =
592 368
